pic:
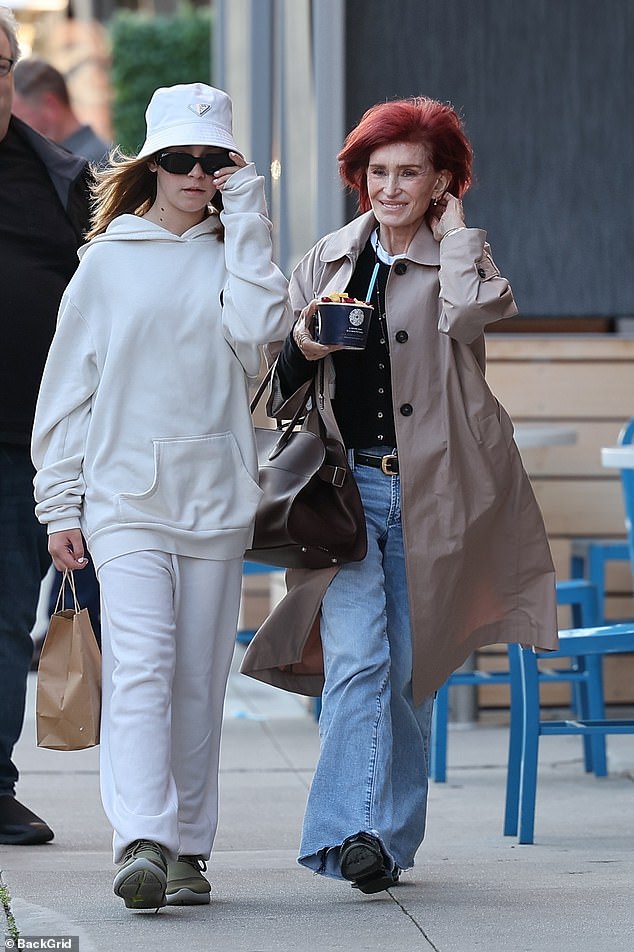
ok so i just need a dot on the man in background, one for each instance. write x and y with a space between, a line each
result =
42 100
44 213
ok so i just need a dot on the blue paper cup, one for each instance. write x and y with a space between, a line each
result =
344 324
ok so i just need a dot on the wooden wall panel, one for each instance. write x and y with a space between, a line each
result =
581 459
566 391
570 348
581 507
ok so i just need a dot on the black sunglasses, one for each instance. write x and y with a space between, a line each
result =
182 163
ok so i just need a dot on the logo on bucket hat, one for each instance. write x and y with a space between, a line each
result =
199 108
188 114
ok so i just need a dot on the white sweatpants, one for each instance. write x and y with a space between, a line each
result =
168 627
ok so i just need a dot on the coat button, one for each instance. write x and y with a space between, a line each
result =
400 267
407 409
482 273
402 336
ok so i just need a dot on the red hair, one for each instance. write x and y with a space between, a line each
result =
432 124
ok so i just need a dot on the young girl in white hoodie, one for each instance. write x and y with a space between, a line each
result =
144 448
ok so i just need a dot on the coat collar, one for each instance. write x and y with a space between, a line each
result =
64 168
352 238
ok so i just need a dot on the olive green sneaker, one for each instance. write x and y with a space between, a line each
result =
186 885
142 877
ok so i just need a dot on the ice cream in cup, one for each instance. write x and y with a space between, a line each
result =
343 320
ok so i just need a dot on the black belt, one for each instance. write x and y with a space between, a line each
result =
387 464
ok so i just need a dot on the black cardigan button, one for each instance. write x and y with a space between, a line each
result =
400 267
402 337
407 409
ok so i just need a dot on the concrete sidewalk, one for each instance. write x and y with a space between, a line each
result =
472 890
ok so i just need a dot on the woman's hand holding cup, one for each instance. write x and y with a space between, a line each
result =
303 337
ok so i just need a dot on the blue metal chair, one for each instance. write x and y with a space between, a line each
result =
588 556
574 643
580 594
589 644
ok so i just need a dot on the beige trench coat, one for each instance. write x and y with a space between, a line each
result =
478 562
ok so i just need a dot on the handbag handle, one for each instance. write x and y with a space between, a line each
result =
318 392
286 431
262 387
67 576
319 420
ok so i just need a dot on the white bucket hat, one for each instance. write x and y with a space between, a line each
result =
190 114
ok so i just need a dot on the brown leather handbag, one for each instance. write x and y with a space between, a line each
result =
311 515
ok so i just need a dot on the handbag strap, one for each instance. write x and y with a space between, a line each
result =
319 397
286 430
262 387
335 475
323 404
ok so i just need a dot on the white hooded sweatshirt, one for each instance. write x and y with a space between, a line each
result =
143 435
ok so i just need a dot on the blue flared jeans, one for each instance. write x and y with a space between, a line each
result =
372 773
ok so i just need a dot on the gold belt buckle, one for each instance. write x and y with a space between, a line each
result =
386 465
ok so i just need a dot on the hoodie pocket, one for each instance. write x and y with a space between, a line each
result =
200 484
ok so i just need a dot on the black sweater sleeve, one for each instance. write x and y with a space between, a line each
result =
292 369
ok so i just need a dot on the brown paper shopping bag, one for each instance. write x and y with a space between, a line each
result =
68 698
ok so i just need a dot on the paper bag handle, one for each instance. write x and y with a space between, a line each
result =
67 576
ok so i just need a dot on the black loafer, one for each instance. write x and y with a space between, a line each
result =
19 826
379 881
363 862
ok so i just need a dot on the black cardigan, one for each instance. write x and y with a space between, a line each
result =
363 395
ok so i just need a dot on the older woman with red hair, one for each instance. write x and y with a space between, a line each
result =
457 553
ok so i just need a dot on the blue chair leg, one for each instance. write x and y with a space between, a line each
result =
438 745
511 803
530 747
579 708
589 702
594 710
584 599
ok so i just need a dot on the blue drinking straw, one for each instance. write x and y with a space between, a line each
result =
368 296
